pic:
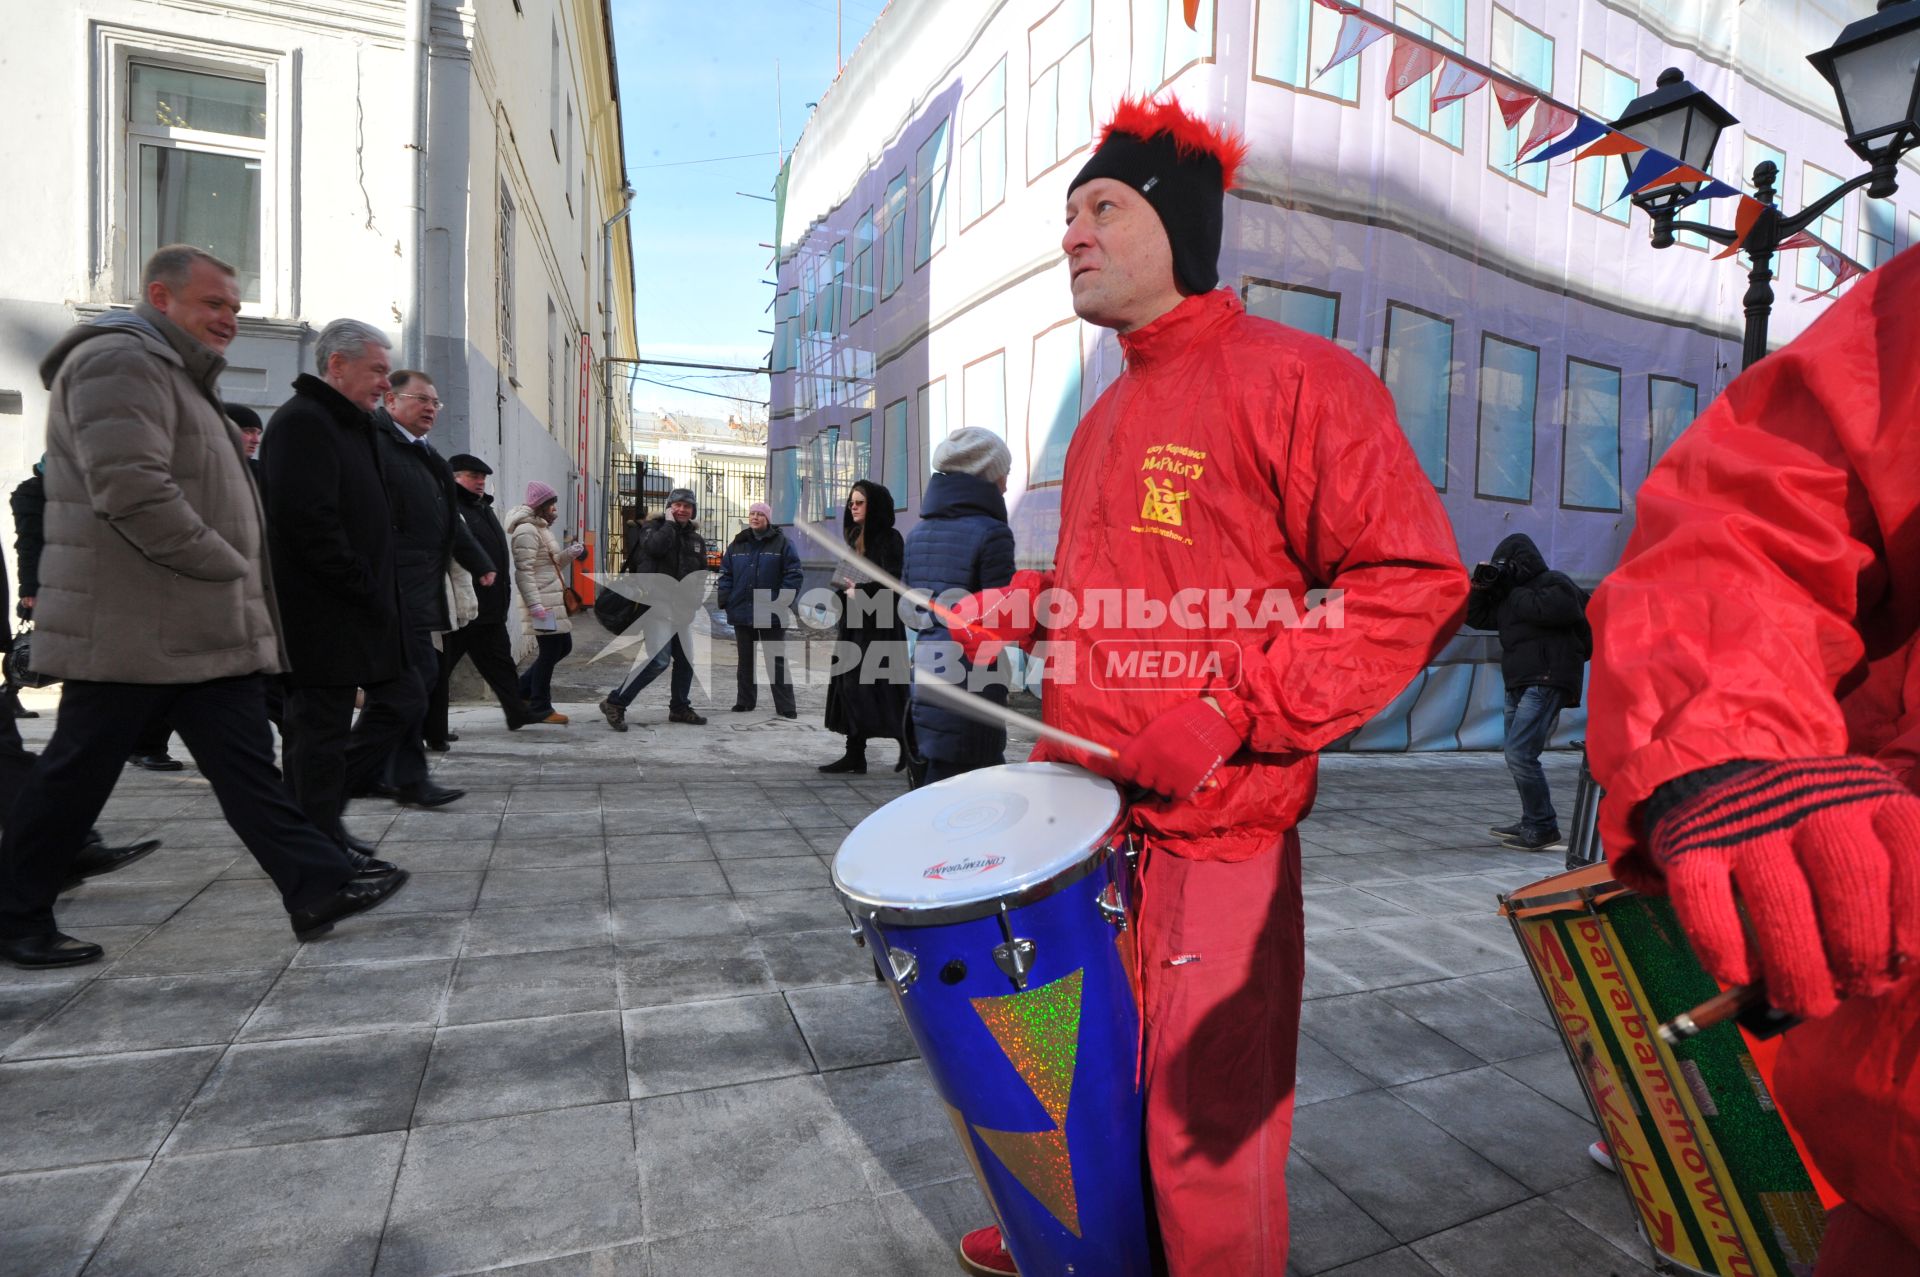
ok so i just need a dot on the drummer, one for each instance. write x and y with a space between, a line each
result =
1755 722
1233 467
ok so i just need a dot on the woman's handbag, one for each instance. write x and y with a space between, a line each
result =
18 664
573 602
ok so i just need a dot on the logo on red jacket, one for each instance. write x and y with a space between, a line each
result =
965 867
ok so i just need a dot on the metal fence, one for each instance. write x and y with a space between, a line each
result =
723 488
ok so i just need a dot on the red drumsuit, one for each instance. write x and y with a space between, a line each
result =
1236 455
1767 607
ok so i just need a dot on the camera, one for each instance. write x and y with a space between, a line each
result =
1490 573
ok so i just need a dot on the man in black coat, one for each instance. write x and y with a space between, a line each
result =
330 529
670 545
484 638
428 535
1544 645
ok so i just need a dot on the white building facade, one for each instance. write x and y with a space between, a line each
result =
450 173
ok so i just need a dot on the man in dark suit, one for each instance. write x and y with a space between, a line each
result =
429 535
330 528
484 638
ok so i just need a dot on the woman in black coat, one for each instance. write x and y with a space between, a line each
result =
868 699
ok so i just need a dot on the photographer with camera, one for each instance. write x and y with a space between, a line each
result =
1541 616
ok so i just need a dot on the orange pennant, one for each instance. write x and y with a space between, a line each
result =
1193 15
1612 144
1745 217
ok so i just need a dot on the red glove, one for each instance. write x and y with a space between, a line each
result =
985 622
1177 752
1825 854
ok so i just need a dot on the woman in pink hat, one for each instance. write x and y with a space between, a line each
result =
542 585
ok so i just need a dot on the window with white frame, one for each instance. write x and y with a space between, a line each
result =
1293 40
568 187
983 389
1445 23
1590 444
930 187
1604 95
553 366
861 277
1053 402
1523 53
893 236
1829 228
983 148
553 92
1876 231
1060 97
196 149
1163 44
508 362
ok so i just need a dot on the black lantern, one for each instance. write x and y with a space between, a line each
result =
1679 120
1874 68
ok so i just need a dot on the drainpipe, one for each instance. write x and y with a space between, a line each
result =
413 338
607 491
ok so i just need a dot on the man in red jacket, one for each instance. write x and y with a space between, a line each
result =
1235 468
1755 720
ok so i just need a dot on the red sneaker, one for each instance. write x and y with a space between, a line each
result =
982 1253
1600 1153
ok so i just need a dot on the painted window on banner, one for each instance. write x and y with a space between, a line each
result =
1418 369
1604 95
785 499
1293 39
893 237
834 272
1525 54
1876 231
931 404
1509 393
1590 445
894 459
1053 402
1672 405
983 148
1829 228
1060 96
930 196
983 391
1163 44
856 450
1295 305
1445 23
1913 229
860 279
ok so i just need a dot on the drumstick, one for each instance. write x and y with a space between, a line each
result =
1722 1006
847 555
987 712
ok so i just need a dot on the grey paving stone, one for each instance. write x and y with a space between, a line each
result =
146 1014
1343 908
322 1001
705 1044
409 937
437 891
465 1198
742 1154
1522 1241
570 852
1600 1203
530 828
803 959
664 845
1384 1044
1406 1173
520 888
306 1089
1515 987
517 986
1393 1263
52 1221
676 918
553 798
294 1209
732 816
895 1112
651 800
1325 1229
67 1112
698 970
927 1223
759 843
537 928
848 1025
1375 958
222 902
24 1006
106 902
846 1239
783 911
523 1066
614 1261
1511 1125
1490 1029
446 824
673 879
1320 1075
774 873
1551 1073
453 856
180 947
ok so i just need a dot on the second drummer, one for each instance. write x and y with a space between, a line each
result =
1232 469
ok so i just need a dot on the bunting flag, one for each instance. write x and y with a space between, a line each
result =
1612 144
1713 190
1657 168
1514 102
1456 81
1802 240
1746 214
1356 33
1843 267
1411 64
1193 14
1551 121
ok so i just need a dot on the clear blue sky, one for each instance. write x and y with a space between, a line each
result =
697 83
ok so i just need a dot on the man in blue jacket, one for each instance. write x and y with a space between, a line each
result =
961 544
760 564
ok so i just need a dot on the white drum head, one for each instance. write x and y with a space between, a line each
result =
989 834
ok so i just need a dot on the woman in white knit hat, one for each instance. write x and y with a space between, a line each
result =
542 585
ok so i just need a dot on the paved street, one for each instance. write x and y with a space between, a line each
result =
614 1027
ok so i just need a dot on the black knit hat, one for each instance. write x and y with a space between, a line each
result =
1184 167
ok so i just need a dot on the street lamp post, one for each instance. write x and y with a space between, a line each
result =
1874 67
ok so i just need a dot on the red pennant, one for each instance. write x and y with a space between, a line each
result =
1746 214
1612 144
1513 102
1802 240
1549 122
1411 64
1193 14
1456 81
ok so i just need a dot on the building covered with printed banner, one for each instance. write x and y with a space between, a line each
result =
1542 355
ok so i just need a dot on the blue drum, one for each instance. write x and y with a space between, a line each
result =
995 905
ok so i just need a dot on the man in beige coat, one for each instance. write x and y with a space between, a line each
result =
155 599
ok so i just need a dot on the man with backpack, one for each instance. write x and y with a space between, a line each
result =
1541 616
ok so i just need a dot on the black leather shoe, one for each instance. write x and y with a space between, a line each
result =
358 896
788 713
427 794
97 858
436 746
21 711
49 950
686 716
161 762
376 789
453 736
366 861
741 707
846 763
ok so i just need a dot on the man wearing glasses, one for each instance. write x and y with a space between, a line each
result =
427 534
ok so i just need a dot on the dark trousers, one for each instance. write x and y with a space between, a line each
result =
769 639
947 768
536 685
486 643
328 756
1531 713
154 737
224 725
16 764
396 711
681 686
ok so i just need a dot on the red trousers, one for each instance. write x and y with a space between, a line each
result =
1222 962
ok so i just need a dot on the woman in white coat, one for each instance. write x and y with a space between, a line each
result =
542 586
